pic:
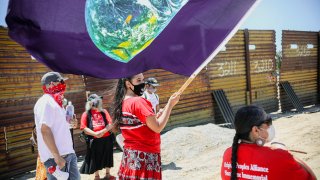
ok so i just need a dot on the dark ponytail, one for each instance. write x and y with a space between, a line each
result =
245 118
118 99
234 157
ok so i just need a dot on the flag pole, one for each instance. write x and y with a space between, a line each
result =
215 52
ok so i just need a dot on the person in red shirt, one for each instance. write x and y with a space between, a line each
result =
140 128
96 124
248 158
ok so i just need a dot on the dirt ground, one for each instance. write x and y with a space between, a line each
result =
196 152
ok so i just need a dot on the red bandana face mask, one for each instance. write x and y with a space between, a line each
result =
56 92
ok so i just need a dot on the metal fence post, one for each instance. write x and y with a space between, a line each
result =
248 74
318 79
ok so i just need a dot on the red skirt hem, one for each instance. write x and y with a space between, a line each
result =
141 165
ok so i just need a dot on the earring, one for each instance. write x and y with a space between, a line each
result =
260 142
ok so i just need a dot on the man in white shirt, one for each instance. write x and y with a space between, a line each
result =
149 94
53 135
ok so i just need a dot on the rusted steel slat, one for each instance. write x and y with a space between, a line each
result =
11 171
191 116
224 107
292 95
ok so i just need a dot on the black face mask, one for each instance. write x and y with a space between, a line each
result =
138 89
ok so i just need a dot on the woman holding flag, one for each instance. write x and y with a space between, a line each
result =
140 128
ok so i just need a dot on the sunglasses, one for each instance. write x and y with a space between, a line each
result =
61 81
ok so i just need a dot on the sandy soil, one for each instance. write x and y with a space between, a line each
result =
196 152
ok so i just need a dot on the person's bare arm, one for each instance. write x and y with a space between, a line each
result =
159 113
49 141
157 125
98 134
90 132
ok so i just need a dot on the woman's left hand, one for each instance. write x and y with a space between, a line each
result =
109 127
159 113
100 133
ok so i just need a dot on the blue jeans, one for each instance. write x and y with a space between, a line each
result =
71 164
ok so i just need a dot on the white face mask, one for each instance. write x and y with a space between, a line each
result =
152 90
271 134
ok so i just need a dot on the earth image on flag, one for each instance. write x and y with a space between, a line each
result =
123 28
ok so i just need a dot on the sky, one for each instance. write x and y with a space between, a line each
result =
278 15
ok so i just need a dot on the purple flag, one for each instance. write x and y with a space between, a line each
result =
120 38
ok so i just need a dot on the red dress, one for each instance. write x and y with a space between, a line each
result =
141 157
255 162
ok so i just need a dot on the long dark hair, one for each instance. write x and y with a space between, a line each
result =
234 156
118 99
245 118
